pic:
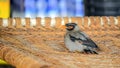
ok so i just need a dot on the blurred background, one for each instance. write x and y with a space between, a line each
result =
58 8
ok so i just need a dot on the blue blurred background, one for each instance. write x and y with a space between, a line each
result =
47 8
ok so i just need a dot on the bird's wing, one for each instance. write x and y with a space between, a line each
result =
83 39
72 38
88 41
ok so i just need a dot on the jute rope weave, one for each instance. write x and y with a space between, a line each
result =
39 42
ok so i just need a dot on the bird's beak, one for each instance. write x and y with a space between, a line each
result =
63 26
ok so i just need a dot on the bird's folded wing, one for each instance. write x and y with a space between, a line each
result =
87 41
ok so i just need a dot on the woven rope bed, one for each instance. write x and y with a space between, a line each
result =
26 43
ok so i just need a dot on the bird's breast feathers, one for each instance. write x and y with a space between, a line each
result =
74 46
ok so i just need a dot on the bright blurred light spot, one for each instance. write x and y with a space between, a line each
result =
2 62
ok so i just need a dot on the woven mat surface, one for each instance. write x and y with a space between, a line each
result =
44 47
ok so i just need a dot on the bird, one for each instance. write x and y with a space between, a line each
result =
77 40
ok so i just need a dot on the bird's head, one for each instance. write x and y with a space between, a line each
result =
72 27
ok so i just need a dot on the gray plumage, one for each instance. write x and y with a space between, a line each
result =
76 40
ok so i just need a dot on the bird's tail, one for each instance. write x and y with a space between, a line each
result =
98 49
